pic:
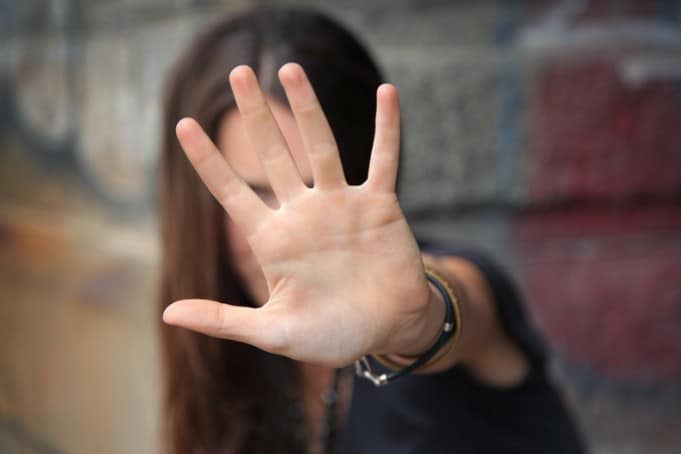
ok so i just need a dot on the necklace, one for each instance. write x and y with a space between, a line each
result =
335 399
329 425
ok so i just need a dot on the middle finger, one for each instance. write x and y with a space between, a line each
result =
265 135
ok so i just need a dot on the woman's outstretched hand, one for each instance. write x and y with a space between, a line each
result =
344 273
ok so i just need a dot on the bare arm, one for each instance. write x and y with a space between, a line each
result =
484 347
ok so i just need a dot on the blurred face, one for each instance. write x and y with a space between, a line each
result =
236 147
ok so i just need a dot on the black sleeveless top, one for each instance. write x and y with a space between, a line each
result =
452 412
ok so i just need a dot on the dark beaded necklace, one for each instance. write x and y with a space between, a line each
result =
330 423
328 435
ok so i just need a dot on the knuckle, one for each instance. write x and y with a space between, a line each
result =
229 192
274 151
221 321
256 112
309 109
323 148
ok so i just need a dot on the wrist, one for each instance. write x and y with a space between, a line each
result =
432 358
428 328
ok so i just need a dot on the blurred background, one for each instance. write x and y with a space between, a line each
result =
546 133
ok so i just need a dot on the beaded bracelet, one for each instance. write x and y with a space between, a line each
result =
451 327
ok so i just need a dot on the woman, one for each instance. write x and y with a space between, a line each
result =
301 263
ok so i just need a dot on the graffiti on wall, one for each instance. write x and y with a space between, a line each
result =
601 243
81 103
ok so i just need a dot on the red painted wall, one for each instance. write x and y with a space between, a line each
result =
600 246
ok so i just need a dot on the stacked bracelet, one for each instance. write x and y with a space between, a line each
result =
450 328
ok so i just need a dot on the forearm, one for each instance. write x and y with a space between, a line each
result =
482 344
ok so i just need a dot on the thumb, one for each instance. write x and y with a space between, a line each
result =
238 323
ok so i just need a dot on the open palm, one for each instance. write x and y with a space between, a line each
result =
344 273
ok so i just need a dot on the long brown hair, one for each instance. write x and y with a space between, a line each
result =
222 396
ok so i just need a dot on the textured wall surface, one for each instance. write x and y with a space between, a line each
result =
546 133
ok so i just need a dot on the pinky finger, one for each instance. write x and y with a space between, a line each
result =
385 153
242 204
